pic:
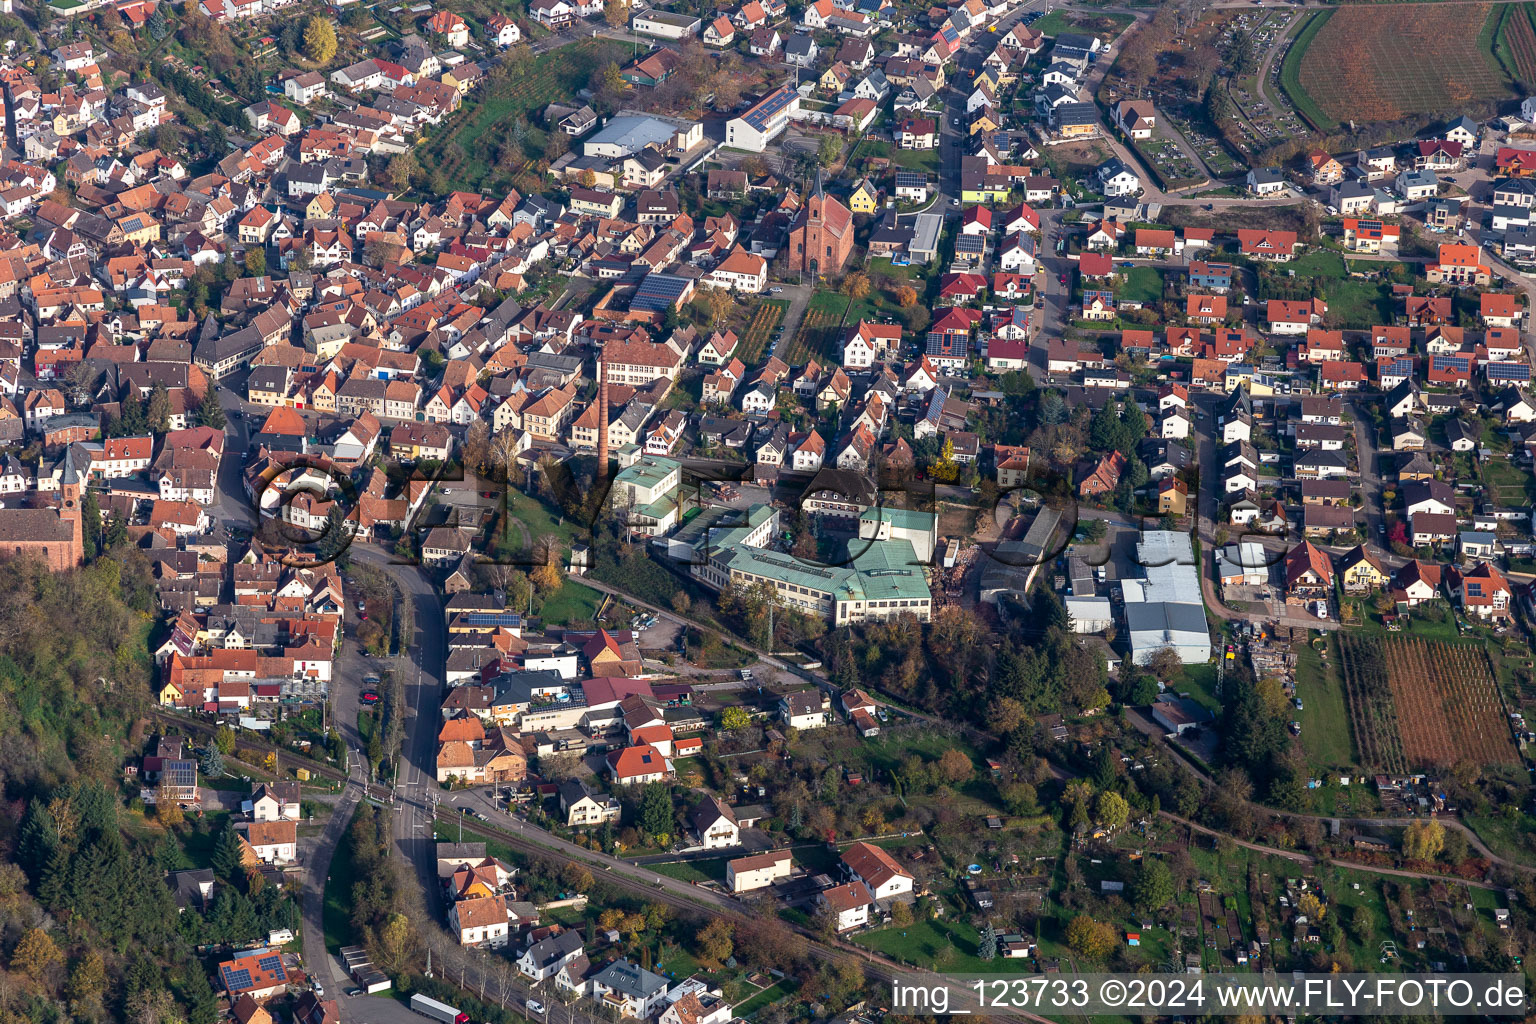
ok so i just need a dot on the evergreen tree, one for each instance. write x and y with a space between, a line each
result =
209 412
197 995
226 855
131 420
212 762
90 524
158 413
38 839
987 948
656 811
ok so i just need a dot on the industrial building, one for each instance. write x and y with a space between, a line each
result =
1164 607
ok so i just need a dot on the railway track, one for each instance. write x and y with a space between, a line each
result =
875 967
190 724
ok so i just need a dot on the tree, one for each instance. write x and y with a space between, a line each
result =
1311 906
955 766
1423 840
210 413
1362 924
35 953
158 411
828 150
717 304
717 941
856 286
212 761
1152 887
906 296
1165 664
224 739
1004 715
548 578
1020 798
1110 809
1092 939
256 261
320 39
167 808
733 718
401 170
656 813
986 948
616 13
87 981
226 859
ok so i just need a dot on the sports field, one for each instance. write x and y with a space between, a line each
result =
1375 62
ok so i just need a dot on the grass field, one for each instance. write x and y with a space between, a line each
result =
1290 73
336 913
771 994
1353 68
1324 716
1142 284
712 870
573 603
466 150
1507 483
1105 26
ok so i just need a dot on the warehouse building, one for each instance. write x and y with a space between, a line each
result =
1164 607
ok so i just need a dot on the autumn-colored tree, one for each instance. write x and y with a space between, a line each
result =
1110 809
167 810
35 953
1005 715
733 718
256 261
717 941
1423 840
587 177
616 13
856 286
955 767
1311 906
401 170
906 296
576 877
87 980
1093 939
548 578
717 304
320 39
395 942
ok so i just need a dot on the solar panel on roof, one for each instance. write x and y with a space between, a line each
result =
1509 371
270 964
234 980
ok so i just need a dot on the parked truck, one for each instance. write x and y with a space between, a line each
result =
442 1012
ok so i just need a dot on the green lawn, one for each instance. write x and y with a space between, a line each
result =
1290 74
767 996
918 160
336 914
1324 716
711 870
1105 26
573 603
946 944
1199 681
1142 284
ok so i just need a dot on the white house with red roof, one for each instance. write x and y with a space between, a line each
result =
638 765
